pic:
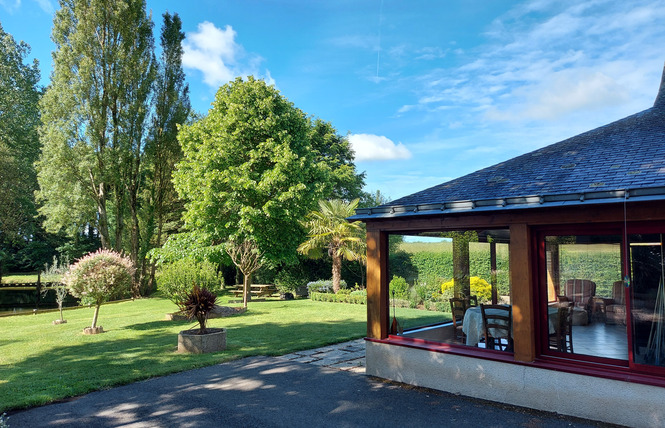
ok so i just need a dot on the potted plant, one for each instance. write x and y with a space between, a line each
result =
198 304
96 278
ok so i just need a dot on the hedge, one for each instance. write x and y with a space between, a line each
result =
358 299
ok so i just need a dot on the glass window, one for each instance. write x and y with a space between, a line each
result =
439 279
583 279
647 299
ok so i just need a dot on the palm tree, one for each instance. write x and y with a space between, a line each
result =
329 229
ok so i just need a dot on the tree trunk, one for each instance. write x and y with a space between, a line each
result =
462 279
135 242
246 287
103 218
336 271
94 317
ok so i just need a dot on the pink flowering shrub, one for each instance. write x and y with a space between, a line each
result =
98 276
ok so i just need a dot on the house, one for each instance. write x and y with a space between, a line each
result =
581 226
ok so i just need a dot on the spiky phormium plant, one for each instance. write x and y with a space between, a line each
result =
197 305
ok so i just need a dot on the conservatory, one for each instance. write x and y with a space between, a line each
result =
556 261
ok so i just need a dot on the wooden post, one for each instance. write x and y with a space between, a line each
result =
522 292
553 271
377 284
493 277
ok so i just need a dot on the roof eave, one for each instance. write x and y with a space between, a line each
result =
511 203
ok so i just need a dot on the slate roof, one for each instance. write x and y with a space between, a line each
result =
625 159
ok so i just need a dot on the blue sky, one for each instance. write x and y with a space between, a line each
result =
427 90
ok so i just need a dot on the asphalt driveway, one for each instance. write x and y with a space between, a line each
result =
278 392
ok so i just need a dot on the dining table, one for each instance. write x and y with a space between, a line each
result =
474 330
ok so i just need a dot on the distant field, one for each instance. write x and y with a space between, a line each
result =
420 247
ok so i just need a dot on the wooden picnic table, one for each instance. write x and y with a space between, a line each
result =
256 290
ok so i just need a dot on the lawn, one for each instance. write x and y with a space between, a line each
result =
19 278
41 362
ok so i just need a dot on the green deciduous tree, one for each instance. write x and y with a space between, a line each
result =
335 151
19 142
330 231
249 171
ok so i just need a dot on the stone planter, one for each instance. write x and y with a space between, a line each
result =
95 330
191 342
56 322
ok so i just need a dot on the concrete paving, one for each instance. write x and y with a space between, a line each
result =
323 387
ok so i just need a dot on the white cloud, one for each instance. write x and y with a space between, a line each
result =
215 53
369 147
46 6
10 6
577 63
563 94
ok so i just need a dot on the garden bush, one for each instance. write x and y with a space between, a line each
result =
479 287
324 286
399 288
425 292
98 277
175 280
290 279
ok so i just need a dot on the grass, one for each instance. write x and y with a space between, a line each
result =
19 278
41 362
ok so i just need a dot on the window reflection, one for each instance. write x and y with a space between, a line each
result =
647 299
584 296
438 280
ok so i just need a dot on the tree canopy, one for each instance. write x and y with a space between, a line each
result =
19 146
19 141
249 170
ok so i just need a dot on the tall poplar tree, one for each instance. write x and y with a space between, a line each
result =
171 108
95 115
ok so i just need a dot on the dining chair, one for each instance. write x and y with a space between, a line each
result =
458 307
498 327
562 338
473 300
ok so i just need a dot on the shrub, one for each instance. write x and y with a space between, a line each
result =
290 278
479 287
197 304
98 277
55 271
175 280
324 286
426 291
339 298
399 288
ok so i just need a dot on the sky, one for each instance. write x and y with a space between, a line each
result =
426 90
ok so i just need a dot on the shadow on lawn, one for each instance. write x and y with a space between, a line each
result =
65 371
156 325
